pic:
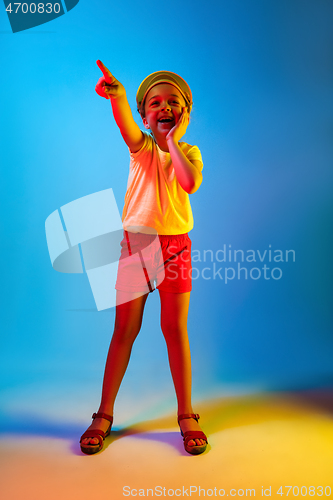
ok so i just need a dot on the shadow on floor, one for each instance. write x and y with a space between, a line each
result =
217 414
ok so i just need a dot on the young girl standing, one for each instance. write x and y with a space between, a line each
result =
163 172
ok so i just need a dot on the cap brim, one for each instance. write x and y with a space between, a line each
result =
163 77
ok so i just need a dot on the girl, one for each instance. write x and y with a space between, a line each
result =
163 172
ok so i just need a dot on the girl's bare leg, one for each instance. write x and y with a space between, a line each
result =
174 311
128 321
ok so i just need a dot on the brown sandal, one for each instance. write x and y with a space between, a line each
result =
188 435
90 449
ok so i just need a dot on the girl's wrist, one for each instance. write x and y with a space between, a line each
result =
119 97
171 140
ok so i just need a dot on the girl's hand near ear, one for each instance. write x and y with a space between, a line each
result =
177 132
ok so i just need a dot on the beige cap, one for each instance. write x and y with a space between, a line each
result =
163 77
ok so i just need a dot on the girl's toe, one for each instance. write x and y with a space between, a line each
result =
200 442
90 441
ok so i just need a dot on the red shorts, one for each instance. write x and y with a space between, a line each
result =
155 261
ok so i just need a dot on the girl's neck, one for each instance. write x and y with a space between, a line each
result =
162 144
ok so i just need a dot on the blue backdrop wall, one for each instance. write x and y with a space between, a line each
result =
261 77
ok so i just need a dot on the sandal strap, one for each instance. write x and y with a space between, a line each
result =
196 416
102 415
94 433
194 435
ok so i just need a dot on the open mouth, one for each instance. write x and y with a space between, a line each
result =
165 120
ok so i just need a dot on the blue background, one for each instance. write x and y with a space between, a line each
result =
261 76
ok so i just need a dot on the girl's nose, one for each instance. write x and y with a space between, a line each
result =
166 106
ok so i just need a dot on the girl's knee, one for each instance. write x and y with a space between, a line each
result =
125 334
174 330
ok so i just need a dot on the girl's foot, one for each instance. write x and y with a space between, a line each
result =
190 424
100 424
195 441
93 439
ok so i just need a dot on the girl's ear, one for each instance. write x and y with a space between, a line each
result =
145 123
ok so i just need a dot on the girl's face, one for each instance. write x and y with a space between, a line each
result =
163 107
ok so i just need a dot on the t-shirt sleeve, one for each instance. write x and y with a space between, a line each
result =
145 146
194 154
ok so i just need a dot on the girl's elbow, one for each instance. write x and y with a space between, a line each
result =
193 190
195 185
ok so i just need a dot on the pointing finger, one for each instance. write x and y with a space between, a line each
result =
109 78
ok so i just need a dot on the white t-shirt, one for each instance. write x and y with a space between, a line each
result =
154 198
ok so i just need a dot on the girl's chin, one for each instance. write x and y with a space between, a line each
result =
161 133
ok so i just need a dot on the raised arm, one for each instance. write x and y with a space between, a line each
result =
110 88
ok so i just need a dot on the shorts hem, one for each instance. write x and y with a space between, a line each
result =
166 289
131 290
